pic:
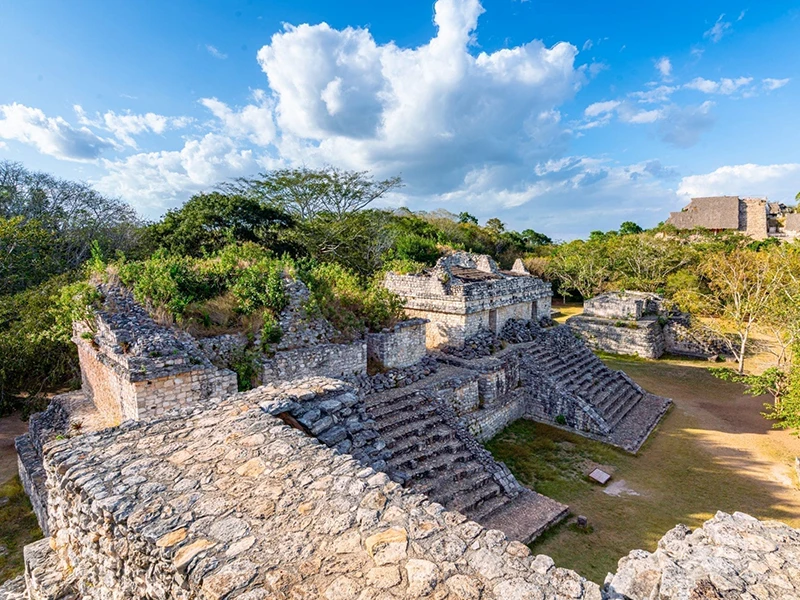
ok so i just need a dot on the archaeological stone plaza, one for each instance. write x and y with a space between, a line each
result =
357 470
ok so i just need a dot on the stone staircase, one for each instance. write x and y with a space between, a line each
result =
429 455
436 456
580 373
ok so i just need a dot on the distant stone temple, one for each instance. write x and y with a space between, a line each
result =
756 217
465 293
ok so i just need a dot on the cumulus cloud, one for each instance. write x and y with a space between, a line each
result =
723 86
664 68
773 84
153 179
53 136
126 125
719 28
253 122
683 126
778 182
434 112
599 108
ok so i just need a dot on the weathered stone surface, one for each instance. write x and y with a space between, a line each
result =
730 556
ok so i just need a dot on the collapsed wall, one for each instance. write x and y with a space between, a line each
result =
133 368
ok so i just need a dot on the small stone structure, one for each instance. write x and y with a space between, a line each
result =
465 293
401 346
755 217
133 368
635 323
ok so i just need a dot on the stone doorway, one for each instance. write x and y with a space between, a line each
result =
493 321
534 311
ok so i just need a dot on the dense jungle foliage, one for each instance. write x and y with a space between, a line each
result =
218 262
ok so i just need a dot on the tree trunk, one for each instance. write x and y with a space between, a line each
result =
741 352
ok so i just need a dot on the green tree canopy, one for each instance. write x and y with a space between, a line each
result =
209 222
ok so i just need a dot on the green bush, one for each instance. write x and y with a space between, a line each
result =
260 286
271 332
349 303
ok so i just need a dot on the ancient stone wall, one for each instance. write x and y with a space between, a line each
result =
220 349
228 502
132 367
637 338
325 360
401 346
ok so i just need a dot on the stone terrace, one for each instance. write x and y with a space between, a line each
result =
229 502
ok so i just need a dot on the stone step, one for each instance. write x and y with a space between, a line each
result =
489 508
470 502
443 461
414 426
442 433
409 455
449 491
402 415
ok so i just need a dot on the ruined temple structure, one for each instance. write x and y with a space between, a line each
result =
637 324
756 217
334 480
466 293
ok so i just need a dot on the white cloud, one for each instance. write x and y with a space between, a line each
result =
664 67
723 86
661 93
213 51
599 108
719 29
253 122
49 135
773 84
778 182
587 45
154 180
432 113
125 126
638 117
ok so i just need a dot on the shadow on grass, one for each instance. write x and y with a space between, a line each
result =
675 480
18 527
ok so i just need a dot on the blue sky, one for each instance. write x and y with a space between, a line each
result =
560 117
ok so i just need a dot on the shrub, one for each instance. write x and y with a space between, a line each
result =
271 332
245 363
260 285
561 419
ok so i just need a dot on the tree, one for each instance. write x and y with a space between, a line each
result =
305 193
66 217
581 266
741 287
495 225
629 228
465 217
644 262
209 222
535 239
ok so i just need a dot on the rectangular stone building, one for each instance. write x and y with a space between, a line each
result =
466 292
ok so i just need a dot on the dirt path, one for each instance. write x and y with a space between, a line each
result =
10 427
727 423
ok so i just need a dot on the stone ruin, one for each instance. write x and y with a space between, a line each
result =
363 486
467 293
637 324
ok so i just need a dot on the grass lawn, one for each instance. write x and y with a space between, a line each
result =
570 309
713 451
18 527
